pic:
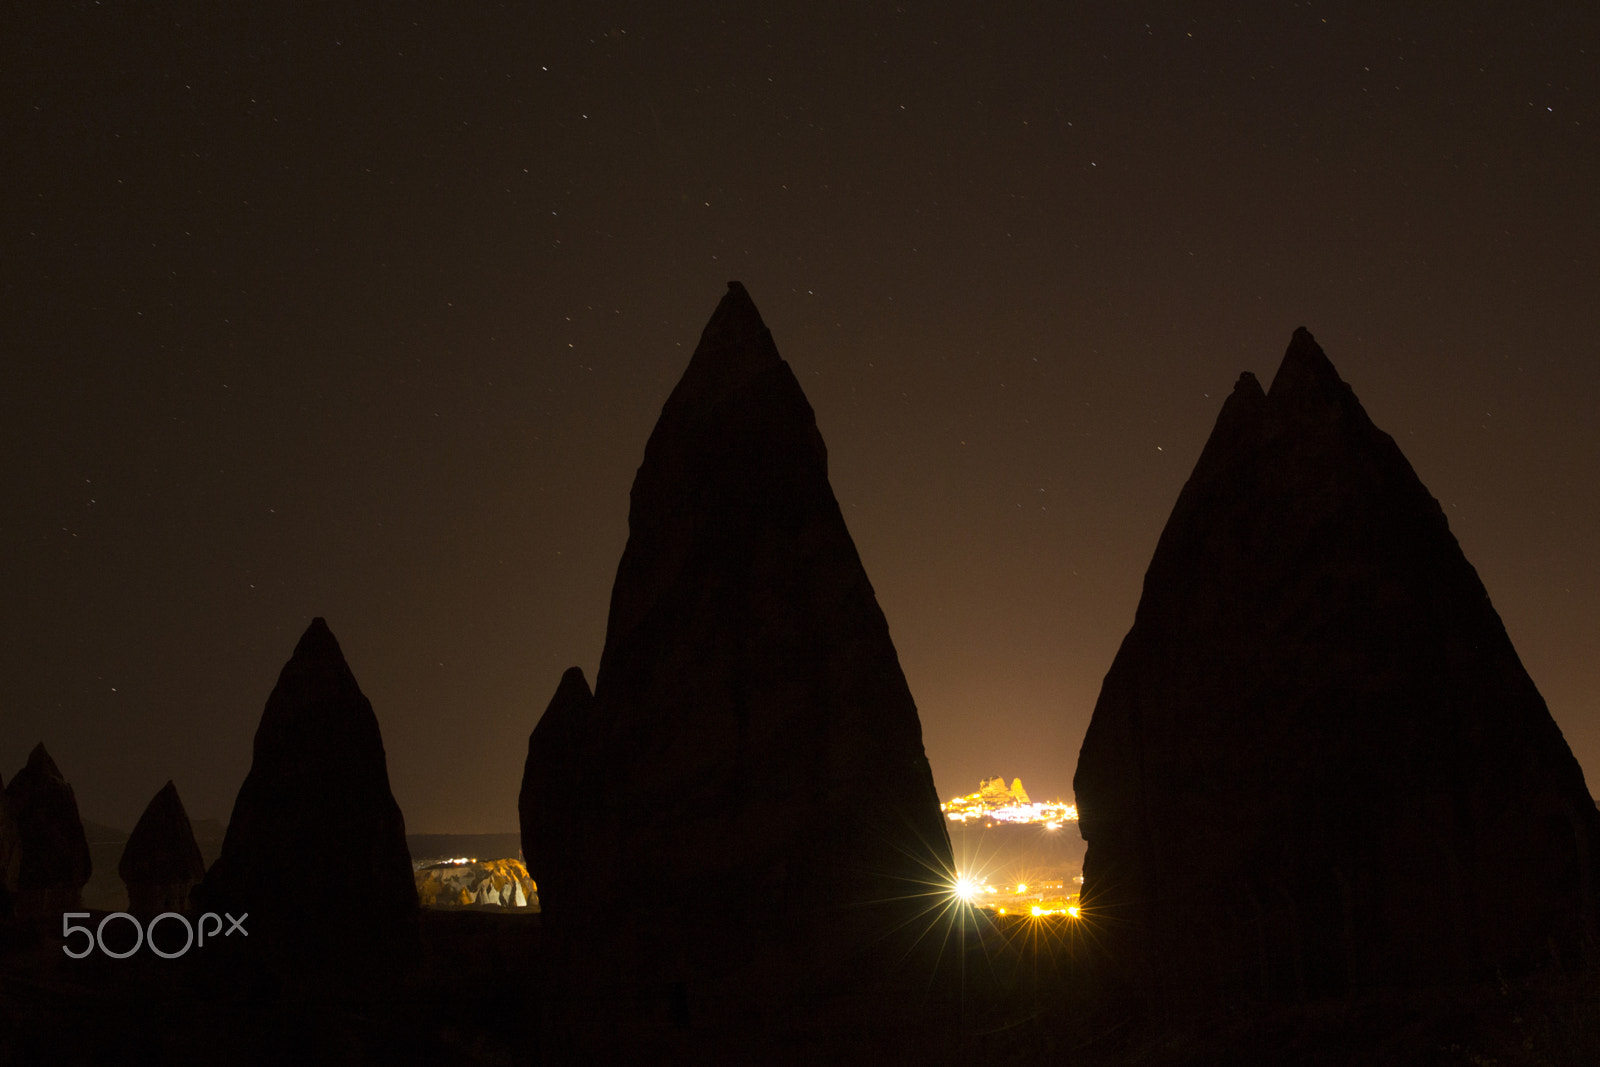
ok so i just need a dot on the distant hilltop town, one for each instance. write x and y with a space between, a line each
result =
994 802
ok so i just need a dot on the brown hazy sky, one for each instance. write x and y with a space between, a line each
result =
366 311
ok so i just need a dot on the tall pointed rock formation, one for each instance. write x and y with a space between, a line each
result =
757 806
550 780
161 863
1317 764
315 851
49 862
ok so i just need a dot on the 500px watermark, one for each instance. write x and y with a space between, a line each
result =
142 934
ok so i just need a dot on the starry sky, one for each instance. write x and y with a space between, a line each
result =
367 310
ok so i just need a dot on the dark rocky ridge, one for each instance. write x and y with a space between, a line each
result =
764 806
48 861
315 850
161 862
1317 764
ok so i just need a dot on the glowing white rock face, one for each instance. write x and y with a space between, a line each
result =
455 882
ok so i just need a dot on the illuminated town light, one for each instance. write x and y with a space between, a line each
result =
994 803
965 889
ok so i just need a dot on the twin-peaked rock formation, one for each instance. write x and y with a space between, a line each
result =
759 813
1316 763
317 799
994 791
44 855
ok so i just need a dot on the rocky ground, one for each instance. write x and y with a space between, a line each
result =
469 997
1013 993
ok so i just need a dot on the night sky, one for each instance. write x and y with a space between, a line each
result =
366 311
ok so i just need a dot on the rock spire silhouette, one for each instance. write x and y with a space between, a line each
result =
44 854
759 815
1316 763
316 851
161 863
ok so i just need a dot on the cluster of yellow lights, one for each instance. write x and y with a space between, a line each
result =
972 806
972 892
1039 911
968 889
